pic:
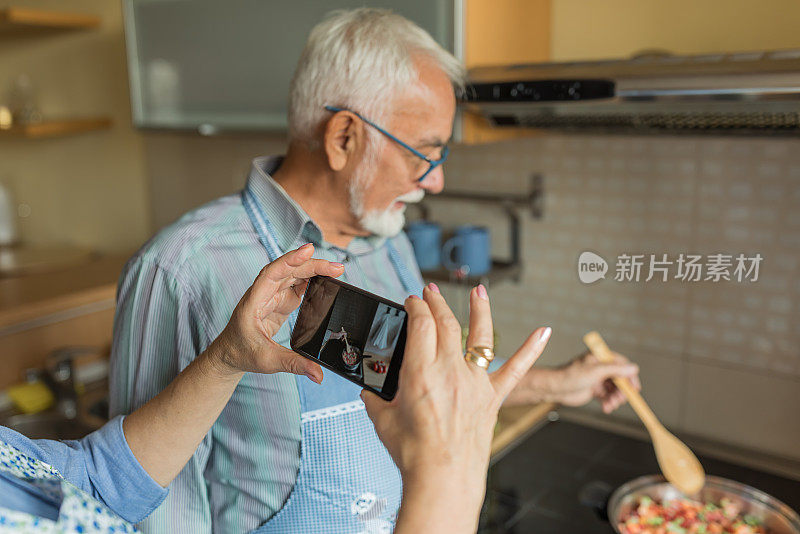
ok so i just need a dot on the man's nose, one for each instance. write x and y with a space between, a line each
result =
434 182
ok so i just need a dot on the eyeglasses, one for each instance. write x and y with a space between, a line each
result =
432 163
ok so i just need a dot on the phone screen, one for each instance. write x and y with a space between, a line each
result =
352 332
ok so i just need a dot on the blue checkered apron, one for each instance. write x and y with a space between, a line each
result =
347 481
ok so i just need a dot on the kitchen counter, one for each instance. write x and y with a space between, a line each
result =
34 297
515 423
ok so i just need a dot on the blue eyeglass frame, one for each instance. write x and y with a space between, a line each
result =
432 162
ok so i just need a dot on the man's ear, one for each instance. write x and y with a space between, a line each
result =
343 137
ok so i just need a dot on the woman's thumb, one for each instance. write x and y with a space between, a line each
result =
291 362
372 403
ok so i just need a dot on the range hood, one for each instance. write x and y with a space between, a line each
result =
747 93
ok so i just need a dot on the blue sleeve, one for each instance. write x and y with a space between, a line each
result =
102 465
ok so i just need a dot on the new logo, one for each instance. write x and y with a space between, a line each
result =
591 267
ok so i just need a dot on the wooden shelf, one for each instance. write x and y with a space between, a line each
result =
500 271
56 128
14 20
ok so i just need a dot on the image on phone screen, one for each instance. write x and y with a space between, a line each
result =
358 335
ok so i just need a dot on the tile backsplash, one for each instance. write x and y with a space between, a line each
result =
718 359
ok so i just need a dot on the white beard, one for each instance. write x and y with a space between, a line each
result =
390 222
382 223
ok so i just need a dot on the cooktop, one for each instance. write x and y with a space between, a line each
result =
535 487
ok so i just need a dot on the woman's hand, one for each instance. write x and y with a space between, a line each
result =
439 426
164 433
246 345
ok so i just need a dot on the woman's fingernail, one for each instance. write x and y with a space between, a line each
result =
337 264
433 287
304 247
546 334
415 297
482 292
312 377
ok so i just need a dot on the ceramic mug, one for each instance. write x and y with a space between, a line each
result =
426 238
469 247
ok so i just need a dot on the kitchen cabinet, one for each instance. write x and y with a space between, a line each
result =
620 28
502 32
171 89
576 30
233 97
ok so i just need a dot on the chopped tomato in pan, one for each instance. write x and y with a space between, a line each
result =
686 516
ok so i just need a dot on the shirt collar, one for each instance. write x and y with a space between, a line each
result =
290 221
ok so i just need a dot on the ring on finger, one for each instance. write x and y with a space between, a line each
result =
479 355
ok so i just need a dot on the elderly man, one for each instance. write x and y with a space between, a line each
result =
370 112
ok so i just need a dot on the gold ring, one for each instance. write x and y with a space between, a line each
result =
480 361
480 356
481 351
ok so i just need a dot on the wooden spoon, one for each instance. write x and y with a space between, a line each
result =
678 463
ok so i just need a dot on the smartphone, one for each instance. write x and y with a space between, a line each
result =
356 334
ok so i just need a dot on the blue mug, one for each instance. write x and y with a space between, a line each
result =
469 247
426 238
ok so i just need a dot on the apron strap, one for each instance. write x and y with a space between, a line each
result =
410 283
266 234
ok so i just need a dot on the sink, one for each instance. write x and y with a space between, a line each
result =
49 425
81 406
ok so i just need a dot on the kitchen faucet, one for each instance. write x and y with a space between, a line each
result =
58 376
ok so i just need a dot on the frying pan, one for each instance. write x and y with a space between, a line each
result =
776 516
352 360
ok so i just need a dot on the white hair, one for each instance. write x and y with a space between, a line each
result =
360 59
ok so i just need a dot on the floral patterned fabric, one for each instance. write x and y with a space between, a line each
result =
78 512
94 484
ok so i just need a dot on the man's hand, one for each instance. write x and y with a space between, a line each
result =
577 383
587 378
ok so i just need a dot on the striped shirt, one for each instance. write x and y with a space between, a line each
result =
175 296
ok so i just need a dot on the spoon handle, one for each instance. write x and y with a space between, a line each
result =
598 346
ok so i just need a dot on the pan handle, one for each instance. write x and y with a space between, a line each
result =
595 495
